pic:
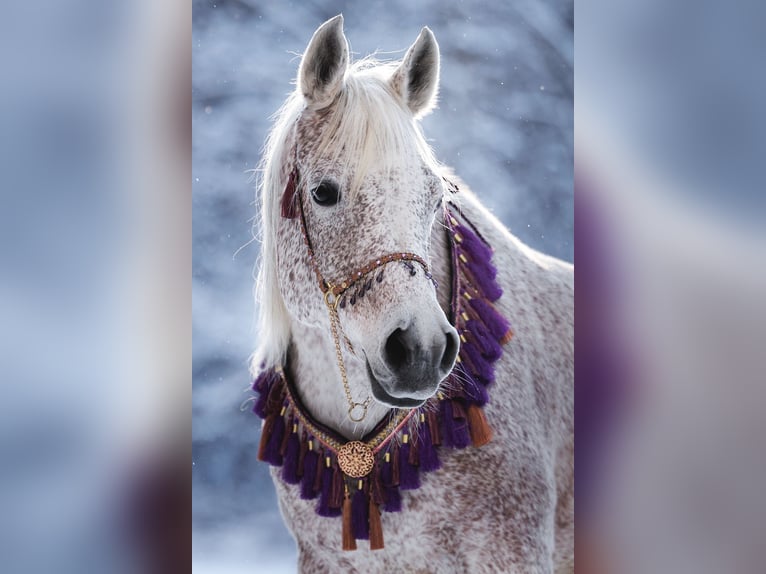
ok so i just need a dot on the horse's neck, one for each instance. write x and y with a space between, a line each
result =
315 370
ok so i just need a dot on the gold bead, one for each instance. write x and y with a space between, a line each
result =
405 438
328 461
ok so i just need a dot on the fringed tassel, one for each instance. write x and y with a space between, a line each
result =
472 244
478 365
376 528
409 477
433 426
392 498
292 452
429 458
495 323
272 451
310 461
360 517
266 382
482 275
338 486
329 501
474 391
349 542
489 347
456 432
481 432
268 426
289 205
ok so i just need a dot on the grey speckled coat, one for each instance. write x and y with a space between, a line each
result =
505 507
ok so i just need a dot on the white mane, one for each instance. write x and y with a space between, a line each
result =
368 125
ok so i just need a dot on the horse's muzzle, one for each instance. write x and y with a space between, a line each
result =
416 369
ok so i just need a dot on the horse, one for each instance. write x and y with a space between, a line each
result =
347 177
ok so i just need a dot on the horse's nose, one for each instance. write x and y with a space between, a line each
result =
415 364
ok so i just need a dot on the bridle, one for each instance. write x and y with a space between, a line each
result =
335 292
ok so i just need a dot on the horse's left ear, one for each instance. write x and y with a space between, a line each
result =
416 80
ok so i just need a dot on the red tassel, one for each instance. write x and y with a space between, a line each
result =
481 432
376 528
266 435
349 542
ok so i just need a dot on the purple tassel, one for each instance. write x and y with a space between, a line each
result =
429 458
263 382
482 276
290 465
263 385
409 477
325 494
472 245
259 407
456 433
360 515
309 475
480 366
392 498
496 324
490 348
475 392
272 454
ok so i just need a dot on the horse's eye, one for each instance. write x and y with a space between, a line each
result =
326 193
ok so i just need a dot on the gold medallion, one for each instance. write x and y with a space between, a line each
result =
356 459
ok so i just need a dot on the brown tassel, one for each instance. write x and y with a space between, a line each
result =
318 475
433 426
349 542
507 337
286 437
376 528
302 453
265 435
395 466
481 432
336 493
414 456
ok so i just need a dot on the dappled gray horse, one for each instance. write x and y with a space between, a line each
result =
400 405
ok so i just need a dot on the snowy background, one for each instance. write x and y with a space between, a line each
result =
504 124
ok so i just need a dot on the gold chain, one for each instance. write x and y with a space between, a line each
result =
332 309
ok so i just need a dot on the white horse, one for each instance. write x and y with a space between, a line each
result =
369 185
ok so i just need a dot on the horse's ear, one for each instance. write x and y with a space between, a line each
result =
324 64
416 80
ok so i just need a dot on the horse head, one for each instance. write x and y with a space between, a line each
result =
347 163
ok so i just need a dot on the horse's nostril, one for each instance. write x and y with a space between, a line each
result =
396 349
450 351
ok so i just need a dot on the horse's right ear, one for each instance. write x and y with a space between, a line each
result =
324 64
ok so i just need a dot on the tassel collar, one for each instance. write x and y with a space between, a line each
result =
358 479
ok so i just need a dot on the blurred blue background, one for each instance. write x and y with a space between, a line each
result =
504 123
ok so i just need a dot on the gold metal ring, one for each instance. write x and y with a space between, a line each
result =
353 407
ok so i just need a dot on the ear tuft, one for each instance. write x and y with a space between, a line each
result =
416 80
324 64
